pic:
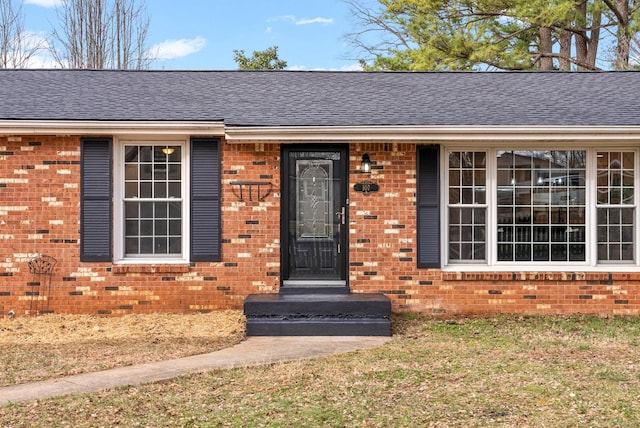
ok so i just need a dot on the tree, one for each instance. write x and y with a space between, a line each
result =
495 34
17 48
101 34
260 60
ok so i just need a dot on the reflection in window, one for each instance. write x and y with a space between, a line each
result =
615 205
153 200
541 205
467 206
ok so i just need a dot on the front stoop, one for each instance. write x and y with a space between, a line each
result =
318 314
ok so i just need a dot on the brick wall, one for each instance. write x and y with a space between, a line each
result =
39 214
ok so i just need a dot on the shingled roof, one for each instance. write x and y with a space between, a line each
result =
322 98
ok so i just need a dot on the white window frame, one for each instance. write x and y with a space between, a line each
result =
118 201
492 264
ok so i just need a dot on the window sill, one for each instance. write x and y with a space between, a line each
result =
150 268
541 276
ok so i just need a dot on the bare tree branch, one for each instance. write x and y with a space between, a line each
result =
101 34
17 48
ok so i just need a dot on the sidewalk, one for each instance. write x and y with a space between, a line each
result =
252 351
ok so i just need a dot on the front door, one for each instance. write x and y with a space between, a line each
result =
314 215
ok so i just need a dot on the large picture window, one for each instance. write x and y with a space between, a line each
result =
543 206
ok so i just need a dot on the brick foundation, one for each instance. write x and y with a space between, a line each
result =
39 214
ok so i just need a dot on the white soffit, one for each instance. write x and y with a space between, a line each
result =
111 128
435 134
328 134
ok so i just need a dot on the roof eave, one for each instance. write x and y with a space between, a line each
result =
426 134
113 128
274 134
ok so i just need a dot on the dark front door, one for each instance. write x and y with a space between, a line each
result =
314 215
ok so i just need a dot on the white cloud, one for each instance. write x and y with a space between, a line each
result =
352 67
291 18
317 20
45 3
301 21
173 49
349 67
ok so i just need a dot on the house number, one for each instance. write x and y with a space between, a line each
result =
366 187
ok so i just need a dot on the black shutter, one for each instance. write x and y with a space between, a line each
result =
95 200
205 200
428 204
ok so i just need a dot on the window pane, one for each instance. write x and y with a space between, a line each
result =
146 190
131 154
146 245
146 210
175 190
175 210
131 172
131 190
145 153
175 245
146 227
454 160
160 190
160 245
175 227
454 251
146 171
131 209
454 196
454 233
161 209
175 172
160 172
131 246
160 227
131 228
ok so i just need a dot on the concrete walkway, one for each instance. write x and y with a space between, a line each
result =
252 351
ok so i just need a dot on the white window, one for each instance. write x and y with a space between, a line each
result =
532 207
151 201
467 207
616 205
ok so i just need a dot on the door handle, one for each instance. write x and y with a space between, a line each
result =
342 215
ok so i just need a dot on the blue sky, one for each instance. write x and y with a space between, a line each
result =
202 34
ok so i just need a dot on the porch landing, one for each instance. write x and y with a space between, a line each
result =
307 314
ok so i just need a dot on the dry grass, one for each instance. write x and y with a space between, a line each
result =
47 346
476 372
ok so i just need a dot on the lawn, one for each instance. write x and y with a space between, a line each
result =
461 372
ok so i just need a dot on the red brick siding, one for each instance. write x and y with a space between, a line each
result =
39 214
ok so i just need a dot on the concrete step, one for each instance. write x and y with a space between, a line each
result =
318 315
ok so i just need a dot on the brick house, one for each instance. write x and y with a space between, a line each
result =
187 191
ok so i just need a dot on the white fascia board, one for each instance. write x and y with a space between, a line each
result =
434 134
112 128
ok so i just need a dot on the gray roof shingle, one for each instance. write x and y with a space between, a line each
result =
322 98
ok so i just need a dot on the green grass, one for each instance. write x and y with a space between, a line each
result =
478 372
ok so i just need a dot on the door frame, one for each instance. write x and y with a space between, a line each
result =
284 213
